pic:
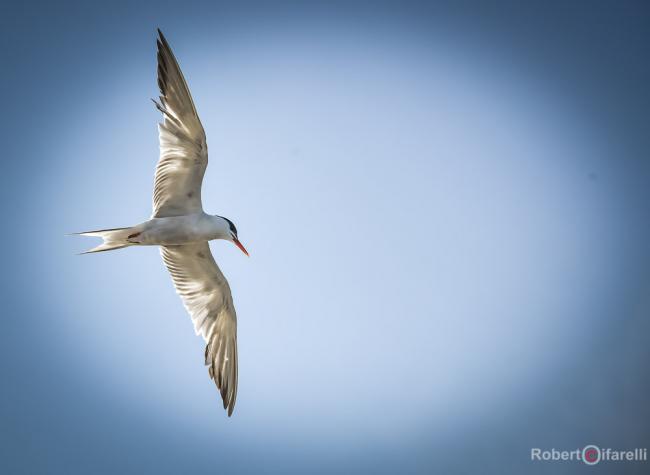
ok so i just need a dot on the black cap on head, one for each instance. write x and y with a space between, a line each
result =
233 229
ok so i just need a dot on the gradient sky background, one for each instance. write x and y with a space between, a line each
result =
446 208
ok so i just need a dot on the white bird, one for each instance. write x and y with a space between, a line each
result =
182 229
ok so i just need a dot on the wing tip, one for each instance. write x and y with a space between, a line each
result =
226 386
162 40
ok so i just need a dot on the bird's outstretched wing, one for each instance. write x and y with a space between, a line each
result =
183 149
206 295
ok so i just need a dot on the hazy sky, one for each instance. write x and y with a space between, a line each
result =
446 209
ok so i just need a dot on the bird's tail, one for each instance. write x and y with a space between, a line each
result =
116 238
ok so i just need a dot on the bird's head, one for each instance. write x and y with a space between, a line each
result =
231 234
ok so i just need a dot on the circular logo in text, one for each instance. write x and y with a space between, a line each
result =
591 454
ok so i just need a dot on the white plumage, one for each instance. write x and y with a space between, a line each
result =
182 229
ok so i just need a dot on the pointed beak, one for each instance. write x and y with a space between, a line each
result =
239 245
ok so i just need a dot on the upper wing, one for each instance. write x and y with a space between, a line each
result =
206 295
183 149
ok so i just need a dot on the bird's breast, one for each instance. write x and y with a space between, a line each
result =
174 231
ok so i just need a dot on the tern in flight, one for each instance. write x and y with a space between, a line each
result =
182 229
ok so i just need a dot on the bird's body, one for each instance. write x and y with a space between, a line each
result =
182 229
175 230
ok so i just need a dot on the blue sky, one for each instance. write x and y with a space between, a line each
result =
446 209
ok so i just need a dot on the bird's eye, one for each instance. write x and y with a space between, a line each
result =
231 225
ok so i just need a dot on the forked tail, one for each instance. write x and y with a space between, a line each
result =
113 239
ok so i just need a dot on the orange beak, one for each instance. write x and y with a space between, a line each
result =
240 245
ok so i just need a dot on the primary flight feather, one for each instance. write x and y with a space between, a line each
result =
182 229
